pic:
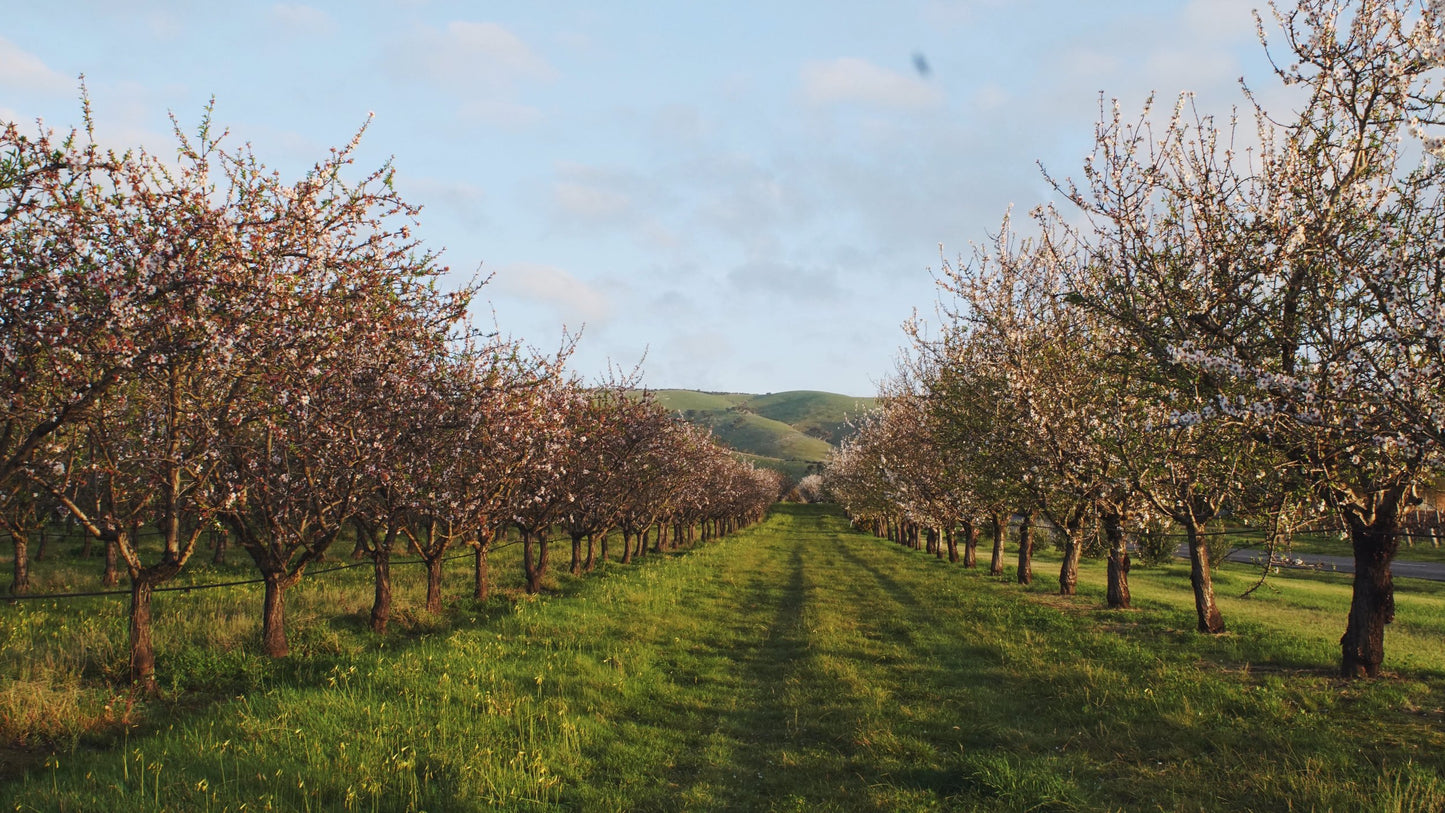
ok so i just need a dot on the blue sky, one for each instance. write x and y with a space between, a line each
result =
751 193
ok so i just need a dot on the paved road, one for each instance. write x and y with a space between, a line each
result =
1434 571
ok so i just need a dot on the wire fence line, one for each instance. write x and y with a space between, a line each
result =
14 599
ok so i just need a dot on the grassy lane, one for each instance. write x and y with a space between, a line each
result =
796 666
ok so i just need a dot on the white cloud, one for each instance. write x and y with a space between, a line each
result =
467 52
575 300
483 64
590 202
849 80
297 18
23 70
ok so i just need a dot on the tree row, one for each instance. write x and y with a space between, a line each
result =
193 344
1234 318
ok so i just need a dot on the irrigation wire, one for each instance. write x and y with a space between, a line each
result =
188 588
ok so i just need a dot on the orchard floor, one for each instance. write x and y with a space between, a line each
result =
801 666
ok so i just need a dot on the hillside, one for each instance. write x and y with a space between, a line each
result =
787 431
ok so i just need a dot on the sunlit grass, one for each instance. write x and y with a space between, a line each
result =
795 666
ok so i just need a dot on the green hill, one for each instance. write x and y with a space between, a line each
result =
787 431
822 415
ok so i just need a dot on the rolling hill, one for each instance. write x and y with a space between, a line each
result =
787 431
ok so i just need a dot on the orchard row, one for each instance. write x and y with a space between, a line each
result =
194 345
1239 317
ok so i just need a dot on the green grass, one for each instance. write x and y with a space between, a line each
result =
816 414
797 425
795 666
761 436
684 400
794 470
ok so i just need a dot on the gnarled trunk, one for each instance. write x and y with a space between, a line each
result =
576 567
1000 527
220 540
1117 591
142 649
111 576
1372 603
970 544
434 583
1026 549
273 615
1069 567
481 574
381 595
531 567
591 553
626 546
20 573
950 540
1205 609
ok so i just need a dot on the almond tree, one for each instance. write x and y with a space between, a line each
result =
1049 357
346 283
471 455
541 495
100 282
1292 284
148 309
975 424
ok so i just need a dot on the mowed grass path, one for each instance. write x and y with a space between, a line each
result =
795 666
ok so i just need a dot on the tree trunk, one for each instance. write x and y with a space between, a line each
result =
529 563
626 547
970 544
602 552
1069 568
951 540
111 576
642 541
480 572
576 567
142 649
1026 549
434 583
20 581
220 539
273 616
1372 604
381 597
591 553
44 544
1210 620
1118 588
1000 527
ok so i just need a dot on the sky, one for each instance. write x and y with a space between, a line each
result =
742 196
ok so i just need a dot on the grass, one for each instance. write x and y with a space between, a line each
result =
817 414
795 666
800 424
